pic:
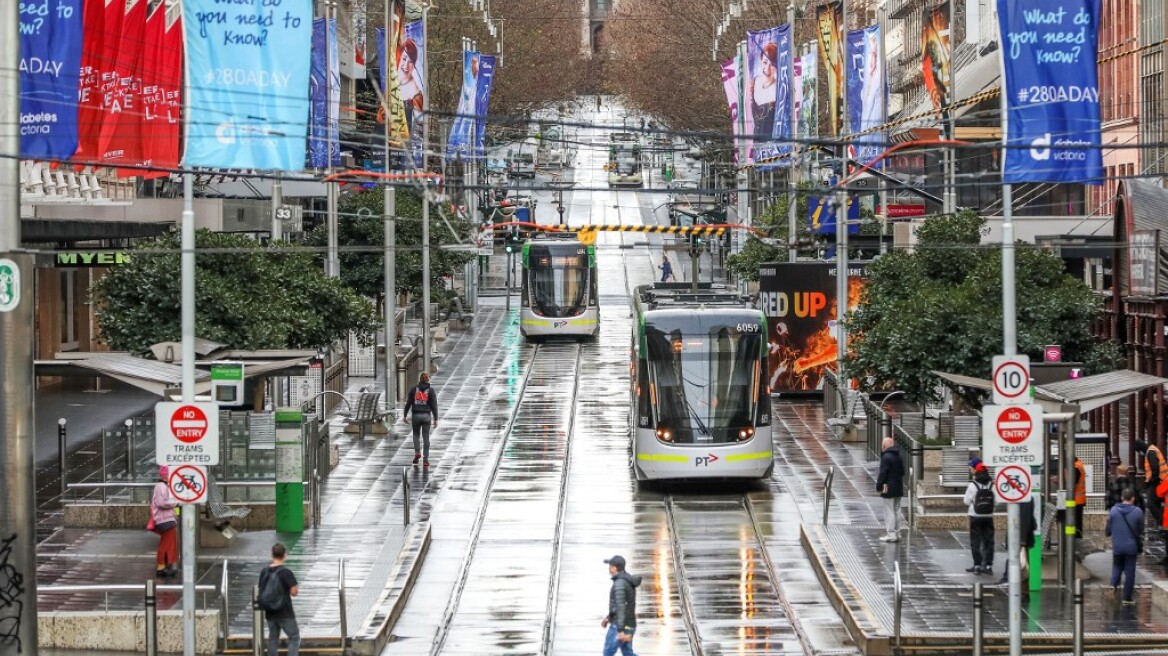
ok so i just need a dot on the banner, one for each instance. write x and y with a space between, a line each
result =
936 50
161 96
806 109
768 87
411 67
799 301
462 131
247 81
399 127
821 215
1052 90
99 51
866 93
730 86
119 141
483 83
50 73
325 96
829 19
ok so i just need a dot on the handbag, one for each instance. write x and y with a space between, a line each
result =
150 524
1139 538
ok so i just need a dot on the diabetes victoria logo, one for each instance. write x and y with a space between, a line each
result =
9 285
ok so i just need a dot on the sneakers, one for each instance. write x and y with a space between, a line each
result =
426 465
890 538
976 569
417 456
987 570
1129 602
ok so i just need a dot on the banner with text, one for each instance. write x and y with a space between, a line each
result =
866 93
161 96
248 69
411 67
1052 90
730 87
483 83
829 20
768 88
50 71
935 54
462 131
92 66
325 94
119 141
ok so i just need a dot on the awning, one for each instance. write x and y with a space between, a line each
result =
1089 393
154 376
985 385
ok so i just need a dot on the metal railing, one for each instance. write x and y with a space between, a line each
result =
897 600
978 620
344 611
827 483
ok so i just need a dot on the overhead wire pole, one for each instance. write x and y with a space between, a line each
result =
389 211
333 263
841 211
17 331
190 515
427 335
882 20
792 169
743 146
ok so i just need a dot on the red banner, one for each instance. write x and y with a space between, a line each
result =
89 95
904 211
160 97
119 140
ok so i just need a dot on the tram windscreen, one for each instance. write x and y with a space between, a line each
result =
705 384
559 291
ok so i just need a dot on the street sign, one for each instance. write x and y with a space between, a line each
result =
186 433
188 484
1012 484
227 383
284 212
1052 353
1011 379
1011 435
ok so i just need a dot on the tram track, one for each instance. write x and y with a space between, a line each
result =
525 439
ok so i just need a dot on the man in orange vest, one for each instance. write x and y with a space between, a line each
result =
1155 471
1080 496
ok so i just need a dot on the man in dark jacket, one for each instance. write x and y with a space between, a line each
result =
621 620
979 499
890 486
423 401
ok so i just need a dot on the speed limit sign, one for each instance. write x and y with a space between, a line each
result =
1011 379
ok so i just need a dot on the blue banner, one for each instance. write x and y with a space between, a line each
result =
1052 90
325 135
463 131
50 75
768 94
247 83
411 73
484 81
866 93
821 215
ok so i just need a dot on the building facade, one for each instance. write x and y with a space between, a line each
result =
1153 19
1119 94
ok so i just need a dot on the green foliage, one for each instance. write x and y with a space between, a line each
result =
361 224
774 222
939 309
246 297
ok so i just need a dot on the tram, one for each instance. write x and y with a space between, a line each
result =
624 161
559 297
700 401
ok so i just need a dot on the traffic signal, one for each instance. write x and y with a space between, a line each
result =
513 243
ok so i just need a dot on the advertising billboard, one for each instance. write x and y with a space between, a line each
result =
799 302
829 18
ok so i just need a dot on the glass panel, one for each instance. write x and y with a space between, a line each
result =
559 292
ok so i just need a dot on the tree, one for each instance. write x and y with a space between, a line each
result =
247 297
362 225
775 222
938 308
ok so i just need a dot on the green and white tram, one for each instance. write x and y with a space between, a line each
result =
559 297
700 404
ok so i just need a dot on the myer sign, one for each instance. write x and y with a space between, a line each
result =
91 259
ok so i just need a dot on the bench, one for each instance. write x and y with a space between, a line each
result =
366 413
219 514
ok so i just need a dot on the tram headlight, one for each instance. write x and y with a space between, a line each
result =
745 434
664 435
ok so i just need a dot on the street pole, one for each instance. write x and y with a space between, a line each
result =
426 333
1010 347
743 150
841 217
17 382
333 265
190 514
792 187
950 96
277 201
390 256
882 19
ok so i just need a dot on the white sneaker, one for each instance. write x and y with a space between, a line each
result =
889 538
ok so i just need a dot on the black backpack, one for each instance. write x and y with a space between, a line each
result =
983 501
273 597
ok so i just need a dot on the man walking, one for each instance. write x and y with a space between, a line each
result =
979 497
666 269
890 486
277 587
621 620
1125 526
423 401
1155 471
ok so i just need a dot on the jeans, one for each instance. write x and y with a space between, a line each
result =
290 628
892 515
421 425
611 644
1125 565
981 541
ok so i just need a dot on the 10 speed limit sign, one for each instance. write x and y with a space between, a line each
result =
1011 379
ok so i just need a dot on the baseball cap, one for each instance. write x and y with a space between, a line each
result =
974 463
616 561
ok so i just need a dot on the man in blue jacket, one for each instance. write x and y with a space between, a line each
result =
1125 526
621 620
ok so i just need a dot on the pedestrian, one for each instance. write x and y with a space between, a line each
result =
423 401
1155 471
621 620
164 522
979 497
1125 526
666 269
890 486
1123 480
277 587
1080 496
598 103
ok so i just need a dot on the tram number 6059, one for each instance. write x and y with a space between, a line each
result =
748 327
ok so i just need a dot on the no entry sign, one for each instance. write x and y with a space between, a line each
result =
1012 484
1012 435
187 433
188 484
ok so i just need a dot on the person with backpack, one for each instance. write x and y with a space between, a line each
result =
164 522
666 269
890 487
277 587
422 400
1125 527
979 496
621 620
